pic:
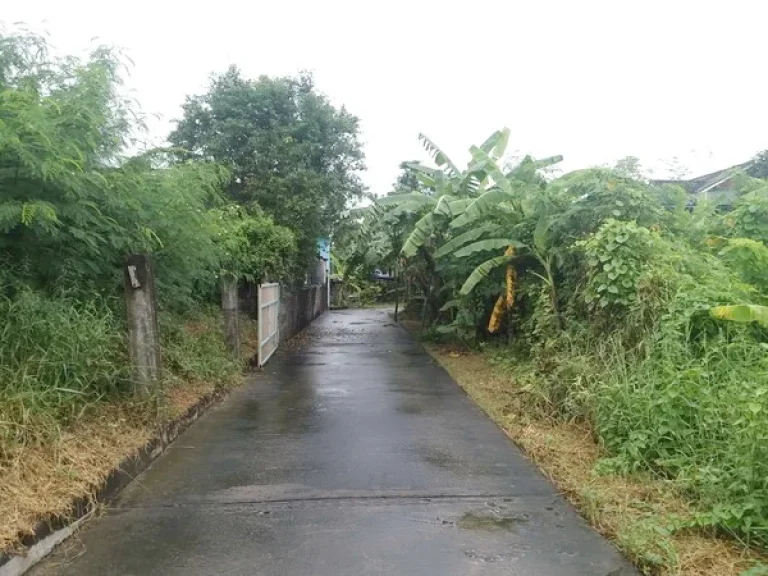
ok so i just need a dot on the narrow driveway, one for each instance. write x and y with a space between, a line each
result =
352 454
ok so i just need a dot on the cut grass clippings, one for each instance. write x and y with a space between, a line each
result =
41 483
637 514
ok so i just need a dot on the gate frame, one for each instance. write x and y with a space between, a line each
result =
276 333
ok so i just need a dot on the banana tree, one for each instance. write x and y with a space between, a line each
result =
449 192
500 219
469 212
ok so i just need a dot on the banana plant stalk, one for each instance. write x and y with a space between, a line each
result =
504 301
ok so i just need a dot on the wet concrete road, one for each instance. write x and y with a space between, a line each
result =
353 454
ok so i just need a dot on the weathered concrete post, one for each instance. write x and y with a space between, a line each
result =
143 340
229 307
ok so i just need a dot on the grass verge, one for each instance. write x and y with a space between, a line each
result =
638 513
41 480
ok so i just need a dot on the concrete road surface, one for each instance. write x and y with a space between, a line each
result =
351 454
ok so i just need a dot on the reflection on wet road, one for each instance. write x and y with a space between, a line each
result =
352 453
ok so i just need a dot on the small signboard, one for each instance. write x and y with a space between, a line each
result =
324 248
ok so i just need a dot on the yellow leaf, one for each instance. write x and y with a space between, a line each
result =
511 277
498 311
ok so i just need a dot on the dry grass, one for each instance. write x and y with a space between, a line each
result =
633 512
181 398
39 483
249 337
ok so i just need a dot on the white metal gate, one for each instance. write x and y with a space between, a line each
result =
269 320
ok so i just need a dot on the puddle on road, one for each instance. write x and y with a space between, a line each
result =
484 557
472 521
333 392
439 458
410 406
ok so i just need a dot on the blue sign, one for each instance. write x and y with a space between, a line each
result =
324 248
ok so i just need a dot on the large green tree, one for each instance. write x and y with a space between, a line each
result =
288 148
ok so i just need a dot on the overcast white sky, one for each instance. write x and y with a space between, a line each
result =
592 80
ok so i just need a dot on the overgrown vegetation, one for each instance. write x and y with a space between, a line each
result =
71 208
74 204
639 512
609 298
627 307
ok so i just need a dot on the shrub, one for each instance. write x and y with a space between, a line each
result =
616 257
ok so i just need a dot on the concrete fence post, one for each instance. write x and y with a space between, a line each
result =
143 339
229 307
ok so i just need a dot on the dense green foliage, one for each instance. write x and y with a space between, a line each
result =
616 296
368 239
614 301
72 207
287 147
61 355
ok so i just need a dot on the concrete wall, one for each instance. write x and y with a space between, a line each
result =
300 307
297 308
319 272
247 299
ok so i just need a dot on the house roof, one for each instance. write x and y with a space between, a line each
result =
706 182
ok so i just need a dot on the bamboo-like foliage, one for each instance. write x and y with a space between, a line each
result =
72 204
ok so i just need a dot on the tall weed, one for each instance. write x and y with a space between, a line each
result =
193 348
57 356
60 356
699 416
690 408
